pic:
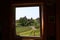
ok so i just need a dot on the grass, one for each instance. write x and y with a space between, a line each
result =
27 31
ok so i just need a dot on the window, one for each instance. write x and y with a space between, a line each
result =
16 23
27 21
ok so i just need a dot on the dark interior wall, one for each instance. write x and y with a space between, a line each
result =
51 24
6 19
58 21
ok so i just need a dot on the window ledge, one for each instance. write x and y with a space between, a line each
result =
29 37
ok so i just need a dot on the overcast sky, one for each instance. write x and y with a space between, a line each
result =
27 11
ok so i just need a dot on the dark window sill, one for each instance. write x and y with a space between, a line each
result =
28 37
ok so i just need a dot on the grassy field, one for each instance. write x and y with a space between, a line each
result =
27 31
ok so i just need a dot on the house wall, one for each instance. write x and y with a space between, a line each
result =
7 29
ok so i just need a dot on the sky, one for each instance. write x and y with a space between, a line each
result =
27 11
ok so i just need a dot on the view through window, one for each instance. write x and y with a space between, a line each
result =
27 21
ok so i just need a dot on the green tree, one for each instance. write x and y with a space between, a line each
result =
38 20
31 22
23 21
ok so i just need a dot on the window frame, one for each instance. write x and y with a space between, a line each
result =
14 5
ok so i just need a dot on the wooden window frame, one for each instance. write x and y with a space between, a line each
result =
14 5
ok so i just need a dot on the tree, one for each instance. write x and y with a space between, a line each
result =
23 21
31 22
38 20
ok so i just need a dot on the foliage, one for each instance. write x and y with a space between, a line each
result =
23 21
23 26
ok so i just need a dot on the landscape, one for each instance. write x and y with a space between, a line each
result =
27 21
28 27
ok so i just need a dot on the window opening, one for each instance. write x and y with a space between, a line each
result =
27 21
